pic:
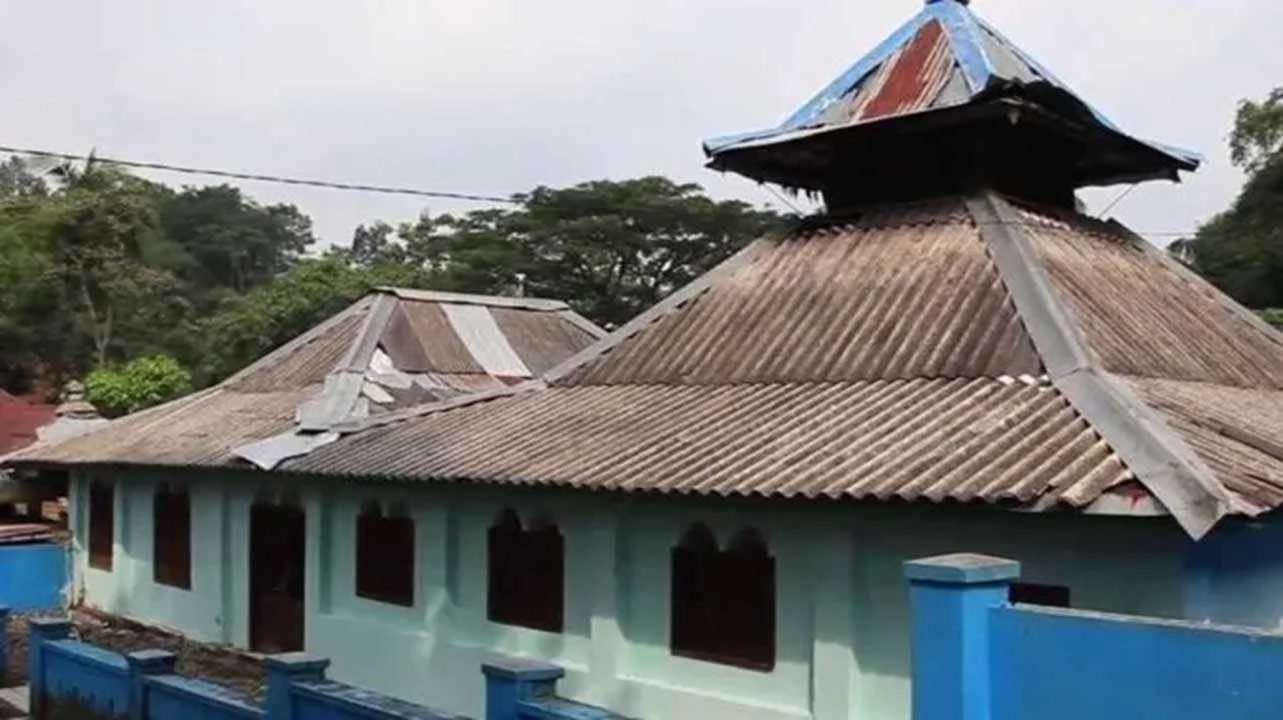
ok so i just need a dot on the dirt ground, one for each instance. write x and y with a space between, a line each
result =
216 663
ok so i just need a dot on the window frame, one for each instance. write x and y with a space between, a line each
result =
526 573
172 536
101 543
389 577
711 600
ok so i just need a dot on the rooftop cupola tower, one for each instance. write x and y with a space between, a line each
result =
946 104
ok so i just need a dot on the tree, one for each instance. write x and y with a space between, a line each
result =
1241 249
230 241
609 248
271 315
1257 136
19 180
136 385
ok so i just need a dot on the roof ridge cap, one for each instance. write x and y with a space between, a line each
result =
1160 459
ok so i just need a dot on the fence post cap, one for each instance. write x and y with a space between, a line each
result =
522 669
962 569
55 628
152 661
295 663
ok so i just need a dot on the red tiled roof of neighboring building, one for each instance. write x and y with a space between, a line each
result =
19 419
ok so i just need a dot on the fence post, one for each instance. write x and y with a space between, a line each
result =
282 672
39 632
4 646
511 680
142 664
950 597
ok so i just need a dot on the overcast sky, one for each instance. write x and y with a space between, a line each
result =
497 96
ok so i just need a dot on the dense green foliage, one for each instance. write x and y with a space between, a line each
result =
99 268
147 291
1241 249
136 385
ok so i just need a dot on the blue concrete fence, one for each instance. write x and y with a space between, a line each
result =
32 576
975 657
69 678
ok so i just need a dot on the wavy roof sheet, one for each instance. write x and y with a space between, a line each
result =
391 349
965 349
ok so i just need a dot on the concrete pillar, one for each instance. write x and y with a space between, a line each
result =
950 599
511 681
282 672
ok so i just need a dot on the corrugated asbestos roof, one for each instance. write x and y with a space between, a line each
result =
1142 317
960 439
390 349
948 350
1238 432
906 294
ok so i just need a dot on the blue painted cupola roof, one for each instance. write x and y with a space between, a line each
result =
943 78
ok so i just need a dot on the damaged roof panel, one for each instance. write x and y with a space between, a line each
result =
402 346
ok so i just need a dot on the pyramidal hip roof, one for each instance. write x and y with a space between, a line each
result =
393 348
945 58
965 349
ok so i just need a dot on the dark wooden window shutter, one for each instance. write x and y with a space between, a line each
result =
526 574
722 602
172 536
385 564
102 523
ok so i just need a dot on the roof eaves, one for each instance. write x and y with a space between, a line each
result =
1161 461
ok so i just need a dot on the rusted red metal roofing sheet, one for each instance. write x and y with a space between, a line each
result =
961 439
905 293
1142 317
913 77
19 420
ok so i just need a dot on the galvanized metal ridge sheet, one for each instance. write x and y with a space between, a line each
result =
438 296
983 439
1237 431
1141 317
901 293
487 344
1166 466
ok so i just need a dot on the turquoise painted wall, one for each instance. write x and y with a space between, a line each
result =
842 610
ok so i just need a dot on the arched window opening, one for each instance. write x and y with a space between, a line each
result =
723 601
526 573
385 565
172 536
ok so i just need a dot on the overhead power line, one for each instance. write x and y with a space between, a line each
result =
307 182
389 190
